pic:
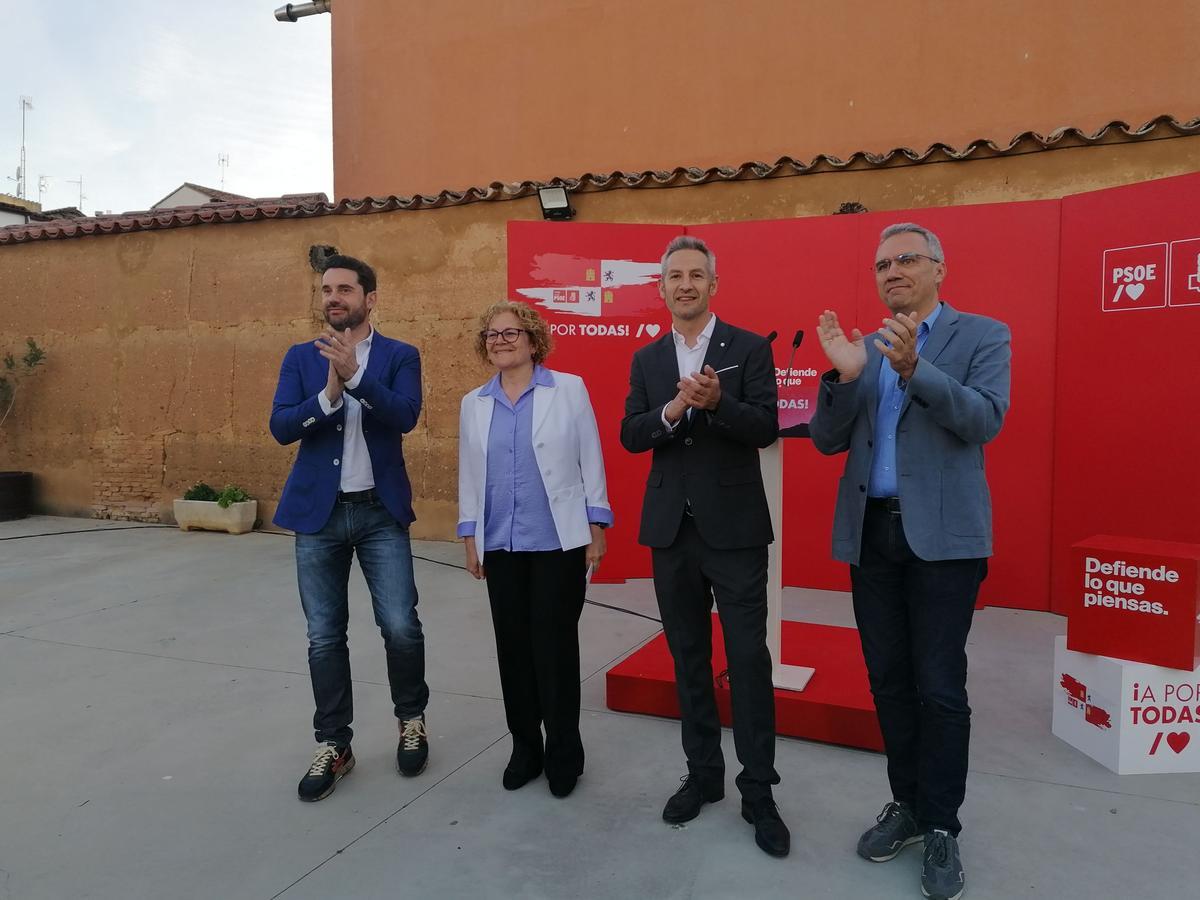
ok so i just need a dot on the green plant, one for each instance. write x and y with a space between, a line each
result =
16 369
232 494
201 491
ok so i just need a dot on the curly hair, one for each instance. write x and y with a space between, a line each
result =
535 326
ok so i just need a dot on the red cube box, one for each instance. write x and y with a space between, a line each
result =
1136 600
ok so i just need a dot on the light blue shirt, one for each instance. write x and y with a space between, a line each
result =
516 513
884 481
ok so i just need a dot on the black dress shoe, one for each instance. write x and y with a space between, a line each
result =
771 835
562 785
685 803
517 774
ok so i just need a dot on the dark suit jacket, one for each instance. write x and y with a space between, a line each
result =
711 460
390 394
954 404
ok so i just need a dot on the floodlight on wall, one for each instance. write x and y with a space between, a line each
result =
290 12
556 205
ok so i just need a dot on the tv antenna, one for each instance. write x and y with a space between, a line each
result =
223 162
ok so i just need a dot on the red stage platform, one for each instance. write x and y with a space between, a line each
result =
836 707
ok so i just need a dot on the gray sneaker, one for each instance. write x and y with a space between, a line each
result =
894 830
942 872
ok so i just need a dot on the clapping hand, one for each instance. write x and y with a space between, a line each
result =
846 354
901 334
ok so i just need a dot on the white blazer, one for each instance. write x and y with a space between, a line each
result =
566 445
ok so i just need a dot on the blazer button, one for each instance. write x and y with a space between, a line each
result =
337 462
688 442
862 488
870 443
339 428
656 434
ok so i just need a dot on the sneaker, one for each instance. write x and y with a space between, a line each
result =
413 751
330 765
942 872
685 803
894 830
771 835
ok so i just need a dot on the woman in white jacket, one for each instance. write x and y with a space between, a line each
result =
533 507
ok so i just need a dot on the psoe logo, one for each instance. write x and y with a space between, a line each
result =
1134 278
592 288
1079 698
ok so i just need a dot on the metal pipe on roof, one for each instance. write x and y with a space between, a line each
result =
290 12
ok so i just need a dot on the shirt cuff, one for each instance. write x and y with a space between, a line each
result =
466 529
598 515
327 407
352 382
670 426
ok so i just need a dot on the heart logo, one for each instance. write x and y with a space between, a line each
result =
1134 291
653 330
1177 740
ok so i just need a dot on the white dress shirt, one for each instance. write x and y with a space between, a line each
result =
690 359
357 474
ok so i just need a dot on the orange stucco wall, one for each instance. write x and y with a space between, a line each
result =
458 93
163 347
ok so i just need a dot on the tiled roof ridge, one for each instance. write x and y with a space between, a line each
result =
301 206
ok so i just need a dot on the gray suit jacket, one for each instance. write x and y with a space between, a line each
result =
954 404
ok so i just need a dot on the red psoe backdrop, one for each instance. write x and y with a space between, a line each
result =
1127 442
597 287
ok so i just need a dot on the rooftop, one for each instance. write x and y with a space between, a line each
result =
311 205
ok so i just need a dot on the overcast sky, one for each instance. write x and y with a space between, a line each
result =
139 96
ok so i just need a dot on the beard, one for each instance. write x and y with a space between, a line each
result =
351 318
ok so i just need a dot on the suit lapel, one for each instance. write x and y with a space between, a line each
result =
377 358
483 421
875 359
718 346
543 399
939 338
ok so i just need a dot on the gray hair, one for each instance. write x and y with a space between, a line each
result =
931 239
687 242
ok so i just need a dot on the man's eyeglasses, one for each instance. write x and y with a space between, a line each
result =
903 260
507 336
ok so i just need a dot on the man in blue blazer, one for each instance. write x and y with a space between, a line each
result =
914 406
349 397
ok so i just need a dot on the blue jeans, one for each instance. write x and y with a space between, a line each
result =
323 571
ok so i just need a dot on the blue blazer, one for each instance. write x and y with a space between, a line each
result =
390 394
954 404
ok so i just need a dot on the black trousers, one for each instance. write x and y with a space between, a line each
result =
913 618
687 576
536 600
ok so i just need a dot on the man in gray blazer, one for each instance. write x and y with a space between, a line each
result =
702 400
914 405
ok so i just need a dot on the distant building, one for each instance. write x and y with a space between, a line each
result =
18 211
188 194
15 211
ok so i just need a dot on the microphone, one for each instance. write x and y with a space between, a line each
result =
795 346
771 337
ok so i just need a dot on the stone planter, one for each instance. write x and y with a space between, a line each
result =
207 515
16 495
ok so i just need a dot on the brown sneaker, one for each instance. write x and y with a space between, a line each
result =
330 765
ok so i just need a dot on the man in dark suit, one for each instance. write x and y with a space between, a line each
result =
349 397
914 406
703 399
